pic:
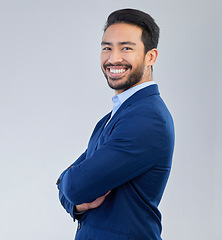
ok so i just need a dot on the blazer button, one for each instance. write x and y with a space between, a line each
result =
79 225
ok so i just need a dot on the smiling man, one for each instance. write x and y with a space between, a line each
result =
114 188
125 63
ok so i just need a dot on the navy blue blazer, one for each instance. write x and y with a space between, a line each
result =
131 156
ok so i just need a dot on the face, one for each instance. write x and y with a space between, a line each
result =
123 57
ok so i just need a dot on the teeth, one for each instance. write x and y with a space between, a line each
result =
117 70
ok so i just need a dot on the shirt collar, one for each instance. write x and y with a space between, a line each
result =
119 99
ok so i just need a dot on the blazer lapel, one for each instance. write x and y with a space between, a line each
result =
92 145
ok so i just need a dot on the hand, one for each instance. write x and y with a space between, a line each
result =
86 206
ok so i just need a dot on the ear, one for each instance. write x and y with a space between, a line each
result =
150 57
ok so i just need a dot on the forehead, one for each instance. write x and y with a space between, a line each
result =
123 32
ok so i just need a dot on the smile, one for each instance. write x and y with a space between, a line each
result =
116 71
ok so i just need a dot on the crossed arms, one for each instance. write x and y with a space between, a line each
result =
130 150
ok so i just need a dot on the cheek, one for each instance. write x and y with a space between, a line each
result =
134 59
103 58
139 60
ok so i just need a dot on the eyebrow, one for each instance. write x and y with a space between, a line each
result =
120 43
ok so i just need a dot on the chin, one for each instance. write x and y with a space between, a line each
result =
115 84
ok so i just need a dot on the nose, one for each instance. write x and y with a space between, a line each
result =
115 57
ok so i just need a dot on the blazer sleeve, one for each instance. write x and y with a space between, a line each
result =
67 205
136 143
78 161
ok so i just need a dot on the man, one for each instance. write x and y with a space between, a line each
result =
115 186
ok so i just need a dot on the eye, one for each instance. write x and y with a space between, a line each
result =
106 48
127 49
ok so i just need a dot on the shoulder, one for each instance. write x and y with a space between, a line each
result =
149 108
148 118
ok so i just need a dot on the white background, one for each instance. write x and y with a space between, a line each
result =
52 93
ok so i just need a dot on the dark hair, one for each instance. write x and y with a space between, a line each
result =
150 33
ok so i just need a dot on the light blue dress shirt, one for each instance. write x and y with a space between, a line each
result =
119 99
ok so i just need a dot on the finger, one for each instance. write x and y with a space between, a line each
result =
97 202
107 193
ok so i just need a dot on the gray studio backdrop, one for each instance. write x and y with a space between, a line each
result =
52 93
